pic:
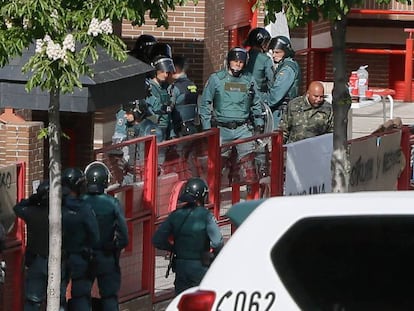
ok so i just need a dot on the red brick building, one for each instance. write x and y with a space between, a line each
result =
205 32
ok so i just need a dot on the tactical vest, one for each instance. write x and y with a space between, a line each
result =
103 206
163 98
76 236
188 88
233 97
190 233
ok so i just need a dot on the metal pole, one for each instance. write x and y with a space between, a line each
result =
408 65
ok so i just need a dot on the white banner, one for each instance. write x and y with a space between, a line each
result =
308 166
376 163
279 27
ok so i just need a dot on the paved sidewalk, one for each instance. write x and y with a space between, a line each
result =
366 120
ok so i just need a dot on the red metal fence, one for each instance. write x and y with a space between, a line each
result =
152 194
11 293
158 172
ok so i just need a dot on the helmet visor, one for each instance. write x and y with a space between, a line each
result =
164 64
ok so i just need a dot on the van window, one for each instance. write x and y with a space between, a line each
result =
348 263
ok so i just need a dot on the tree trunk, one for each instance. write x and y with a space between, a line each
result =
341 101
55 201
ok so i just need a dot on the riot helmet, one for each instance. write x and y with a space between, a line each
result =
258 37
143 47
73 179
282 43
138 108
97 177
237 53
160 49
163 63
195 189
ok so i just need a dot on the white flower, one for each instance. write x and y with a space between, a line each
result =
69 43
39 45
54 14
64 57
26 23
47 38
94 28
8 23
106 26
54 51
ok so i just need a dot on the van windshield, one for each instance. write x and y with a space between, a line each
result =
348 263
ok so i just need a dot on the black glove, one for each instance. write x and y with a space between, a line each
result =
35 199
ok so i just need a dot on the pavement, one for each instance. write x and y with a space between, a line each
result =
367 119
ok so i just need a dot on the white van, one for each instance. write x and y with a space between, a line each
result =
340 252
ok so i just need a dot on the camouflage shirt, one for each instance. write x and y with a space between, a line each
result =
301 120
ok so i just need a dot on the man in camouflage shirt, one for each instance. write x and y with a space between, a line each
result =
308 115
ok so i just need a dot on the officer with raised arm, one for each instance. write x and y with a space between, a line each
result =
35 213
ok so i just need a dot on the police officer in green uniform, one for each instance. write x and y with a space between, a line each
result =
187 89
307 116
260 65
35 213
113 233
194 230
286 80
186 101
230 102
163 96
80 234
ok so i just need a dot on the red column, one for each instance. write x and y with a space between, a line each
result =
408 65
404 179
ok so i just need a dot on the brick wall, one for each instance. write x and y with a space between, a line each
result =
216 38
185 34
185 22
19 143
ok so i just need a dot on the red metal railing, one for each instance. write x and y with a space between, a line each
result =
146 206
154 191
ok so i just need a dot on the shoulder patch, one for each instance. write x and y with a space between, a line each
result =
192 88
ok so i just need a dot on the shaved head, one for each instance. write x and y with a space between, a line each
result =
315 93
